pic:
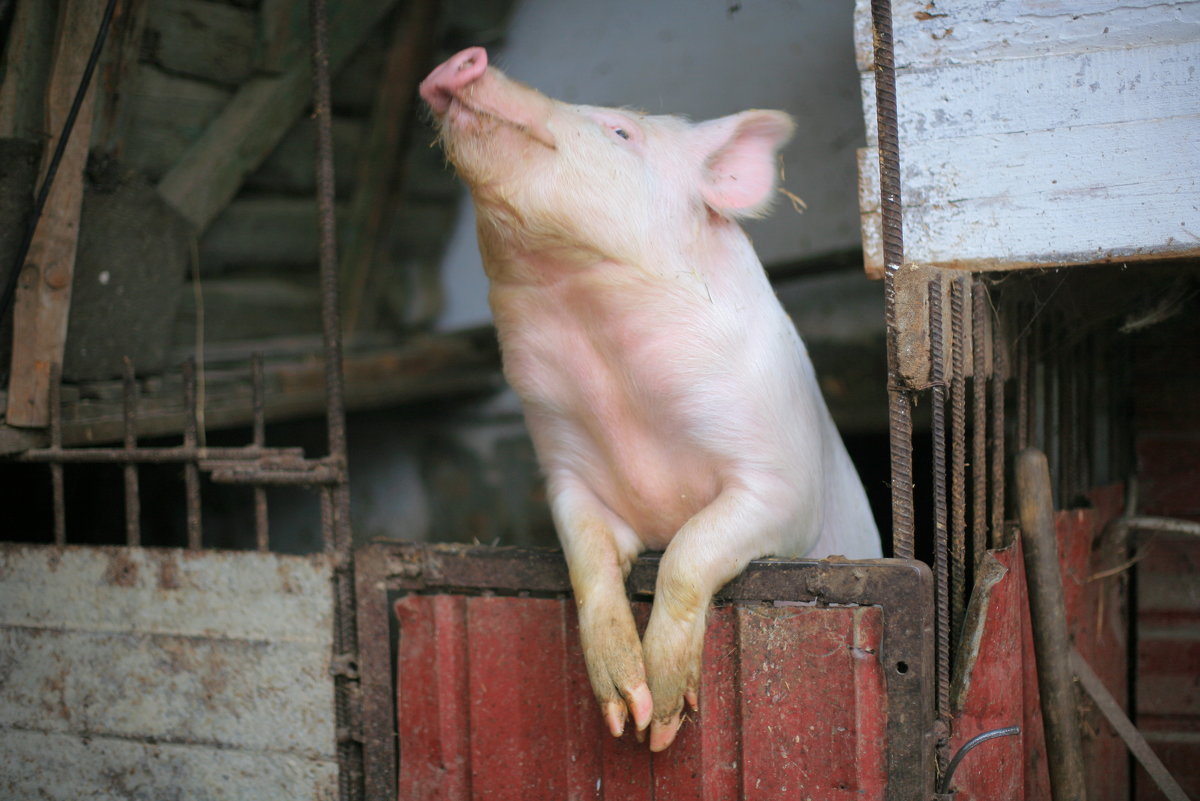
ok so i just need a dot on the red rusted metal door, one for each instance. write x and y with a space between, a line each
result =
816 684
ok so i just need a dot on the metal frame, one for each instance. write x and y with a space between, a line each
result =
902 588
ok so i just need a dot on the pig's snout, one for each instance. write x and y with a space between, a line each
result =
446 81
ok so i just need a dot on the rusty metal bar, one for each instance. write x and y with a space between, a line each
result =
979 343
133 506
1125 729
958 454
335 500
191 473
309 473
1023 387
941 566
999 374
262 537
1052 643
58 490
891 212
179 453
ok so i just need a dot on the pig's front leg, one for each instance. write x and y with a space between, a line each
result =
711 549
600 550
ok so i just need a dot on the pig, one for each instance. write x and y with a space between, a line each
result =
669 398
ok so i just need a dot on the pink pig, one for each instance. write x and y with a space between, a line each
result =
670 400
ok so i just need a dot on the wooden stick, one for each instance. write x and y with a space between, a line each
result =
43 299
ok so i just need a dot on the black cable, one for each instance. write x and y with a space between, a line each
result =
10 286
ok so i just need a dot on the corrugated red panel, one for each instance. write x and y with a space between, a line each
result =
494 703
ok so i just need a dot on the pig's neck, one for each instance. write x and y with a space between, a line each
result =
709 257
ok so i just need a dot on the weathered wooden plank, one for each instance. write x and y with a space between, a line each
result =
208 176
170 669
1035 133
929 34
290 167
1101 193
1056 91
203 39
166 114
26 68
377 176
271 230
118 65
43 298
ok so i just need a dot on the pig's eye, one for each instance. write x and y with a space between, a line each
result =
621 132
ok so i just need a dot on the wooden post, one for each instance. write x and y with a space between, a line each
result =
43 299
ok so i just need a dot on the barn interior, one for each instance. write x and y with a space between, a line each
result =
195 317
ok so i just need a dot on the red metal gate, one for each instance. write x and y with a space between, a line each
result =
817 683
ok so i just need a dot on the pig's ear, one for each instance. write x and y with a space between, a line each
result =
738 153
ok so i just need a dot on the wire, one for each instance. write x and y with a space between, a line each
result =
39 205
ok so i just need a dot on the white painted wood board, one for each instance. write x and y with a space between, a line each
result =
1040 133
165 673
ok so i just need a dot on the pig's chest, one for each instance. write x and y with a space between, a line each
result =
611 398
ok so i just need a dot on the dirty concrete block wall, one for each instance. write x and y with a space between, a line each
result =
136 673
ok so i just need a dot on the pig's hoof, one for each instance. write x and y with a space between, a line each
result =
637 702
662 733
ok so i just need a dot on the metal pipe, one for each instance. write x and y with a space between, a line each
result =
179 453
968 746
1064 747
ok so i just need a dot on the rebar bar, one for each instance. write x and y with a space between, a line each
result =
191 473
979 467
958 454
133 507
891 211
337 497
941 567
999 375
262 537
57 488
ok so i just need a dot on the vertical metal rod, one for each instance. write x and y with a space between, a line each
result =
1052 642
958 454
979 467
941 567
891 212
1022 386
337 518
133 506
58 489
999 375
261 523
191 473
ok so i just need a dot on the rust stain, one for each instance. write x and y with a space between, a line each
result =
55 699
168 574
122 571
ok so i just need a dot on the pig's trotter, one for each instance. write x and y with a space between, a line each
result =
673 647
614 662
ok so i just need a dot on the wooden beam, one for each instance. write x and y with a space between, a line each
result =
43 299
378 174
254 121
117 68
26 68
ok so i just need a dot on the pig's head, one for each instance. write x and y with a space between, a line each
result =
587 184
